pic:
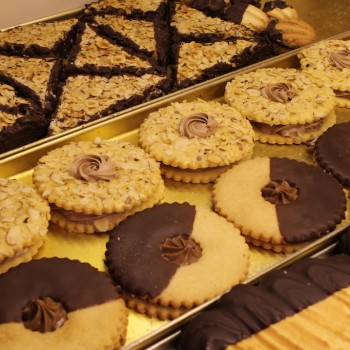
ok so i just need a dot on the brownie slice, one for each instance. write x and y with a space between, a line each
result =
148 37
46 39
196 62
34 78
151 9
95 54
189 24
89 97
20 123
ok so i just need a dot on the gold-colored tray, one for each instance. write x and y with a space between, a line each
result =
143 331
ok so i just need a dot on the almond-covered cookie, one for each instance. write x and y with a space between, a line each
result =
93 186
174 256
328 61
279 203
285 105
24 220
196 141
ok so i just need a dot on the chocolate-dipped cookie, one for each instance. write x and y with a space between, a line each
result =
279 203
172 257
332 152
60 302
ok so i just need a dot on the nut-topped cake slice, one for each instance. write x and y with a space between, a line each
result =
94 54
34 78
87 97
189 24
148 37
197 62
132 8
20 123
45 39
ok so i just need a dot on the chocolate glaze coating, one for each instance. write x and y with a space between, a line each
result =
321 203
74 284
344 242
133 256
248 309
332 152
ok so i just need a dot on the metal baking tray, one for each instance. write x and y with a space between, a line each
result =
143 331
316 13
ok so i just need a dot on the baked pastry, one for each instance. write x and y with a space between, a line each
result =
24 218
86 98
34 78
44 39
167 260
293 108
280 10
152 9
196 141
189 24
20 122
302 306
328 62
332 152
291 32
105 181
196 62
95 54
152 40
267 199
57 302
247 15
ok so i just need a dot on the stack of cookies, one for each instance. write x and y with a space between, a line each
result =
105 181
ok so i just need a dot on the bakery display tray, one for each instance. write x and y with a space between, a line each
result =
143 331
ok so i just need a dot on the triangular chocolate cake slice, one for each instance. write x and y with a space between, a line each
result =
45 39
190 24
151 9
197 62
34 78
89 97
95 54
20 123
148 37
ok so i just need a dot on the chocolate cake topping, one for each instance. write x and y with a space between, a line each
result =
134 256
198 125
340 58
270 5
248 309
282 92
74 284
320 206
279 192
332 152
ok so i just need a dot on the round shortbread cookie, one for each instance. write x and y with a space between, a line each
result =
332 152
24 218
196 135
55 303
328 62
100 177
279 200
281 101
176 255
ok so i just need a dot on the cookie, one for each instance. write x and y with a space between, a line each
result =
60 301
328 62
24 218
302 306
175 256
269 199
104 180
196 141
332 152
292 108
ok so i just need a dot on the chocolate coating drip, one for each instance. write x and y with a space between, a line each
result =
320 206
248 309
74 284
133 255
